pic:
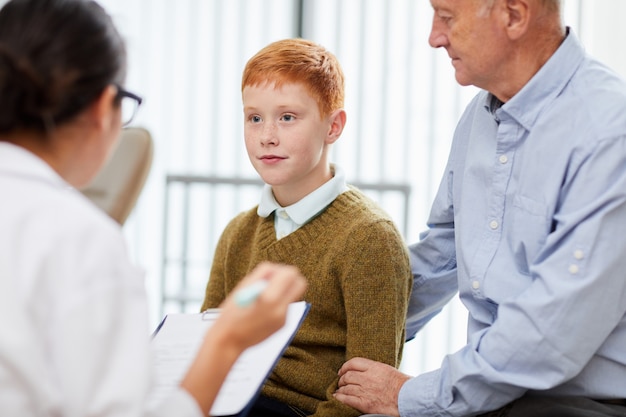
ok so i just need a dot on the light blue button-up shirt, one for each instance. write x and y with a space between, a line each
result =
530 224
288 219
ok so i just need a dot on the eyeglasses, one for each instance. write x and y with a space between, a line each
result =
130 104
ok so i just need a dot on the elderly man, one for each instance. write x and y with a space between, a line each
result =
529 225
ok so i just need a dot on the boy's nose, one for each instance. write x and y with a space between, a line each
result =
268 135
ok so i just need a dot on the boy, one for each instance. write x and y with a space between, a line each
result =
350 251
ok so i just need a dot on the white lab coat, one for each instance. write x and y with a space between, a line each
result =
74 336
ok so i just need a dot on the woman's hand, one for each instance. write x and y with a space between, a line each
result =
239 327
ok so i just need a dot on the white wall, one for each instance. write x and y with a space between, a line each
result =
604 33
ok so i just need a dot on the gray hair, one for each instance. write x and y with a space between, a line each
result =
550 5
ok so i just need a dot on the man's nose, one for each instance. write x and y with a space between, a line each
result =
437 37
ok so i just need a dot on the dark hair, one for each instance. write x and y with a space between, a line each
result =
56 57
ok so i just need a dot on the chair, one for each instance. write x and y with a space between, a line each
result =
117 186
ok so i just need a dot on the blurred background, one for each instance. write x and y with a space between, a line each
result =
186 59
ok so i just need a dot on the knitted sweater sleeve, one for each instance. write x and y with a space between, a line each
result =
376 287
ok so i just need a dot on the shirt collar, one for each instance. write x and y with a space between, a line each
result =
543 87
302 211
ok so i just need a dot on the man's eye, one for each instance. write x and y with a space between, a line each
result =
444 17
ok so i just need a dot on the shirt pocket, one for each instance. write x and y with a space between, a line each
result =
530 227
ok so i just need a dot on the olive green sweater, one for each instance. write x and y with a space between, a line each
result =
359 280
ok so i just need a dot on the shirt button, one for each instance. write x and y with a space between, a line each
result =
503 159
493 224
284 215
573 269
475 285
579 254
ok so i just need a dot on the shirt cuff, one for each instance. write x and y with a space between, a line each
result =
417 396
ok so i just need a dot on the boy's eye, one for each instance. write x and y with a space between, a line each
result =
255 119
288 117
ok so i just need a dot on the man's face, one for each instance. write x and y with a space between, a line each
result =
470 32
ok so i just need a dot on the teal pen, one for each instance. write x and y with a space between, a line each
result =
247 295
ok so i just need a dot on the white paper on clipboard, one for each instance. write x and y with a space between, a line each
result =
178 338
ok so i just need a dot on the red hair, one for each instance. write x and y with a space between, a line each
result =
299 61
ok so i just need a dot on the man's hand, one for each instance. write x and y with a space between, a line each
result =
370 387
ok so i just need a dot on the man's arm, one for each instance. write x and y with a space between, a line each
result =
433 261
433 264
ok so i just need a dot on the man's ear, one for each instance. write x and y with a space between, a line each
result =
337 123
518 15
103 111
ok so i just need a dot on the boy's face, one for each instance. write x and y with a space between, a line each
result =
287 140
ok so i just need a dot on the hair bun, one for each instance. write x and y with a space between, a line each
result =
23 92
56 58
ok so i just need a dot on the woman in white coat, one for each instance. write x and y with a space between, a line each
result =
74 336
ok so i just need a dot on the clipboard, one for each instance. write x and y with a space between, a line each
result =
176 341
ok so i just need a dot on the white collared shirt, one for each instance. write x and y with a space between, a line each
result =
289 219
73 313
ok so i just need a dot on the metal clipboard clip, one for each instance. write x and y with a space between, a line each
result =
210 314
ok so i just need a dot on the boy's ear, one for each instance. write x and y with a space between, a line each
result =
337 123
